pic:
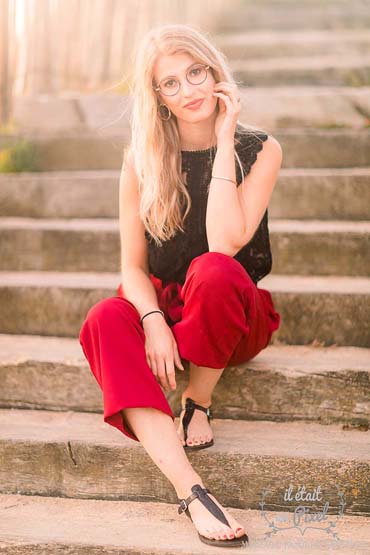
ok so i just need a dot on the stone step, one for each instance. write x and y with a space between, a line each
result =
285 15
78 455
327 70
93 245
34 524
282 383
317 309
89 151
320 107
266 107
300 193
292 43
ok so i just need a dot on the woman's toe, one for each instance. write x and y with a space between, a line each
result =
239 532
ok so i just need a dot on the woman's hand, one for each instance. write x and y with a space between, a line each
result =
229 110
161 351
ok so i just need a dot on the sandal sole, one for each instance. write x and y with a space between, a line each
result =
234 542
197 447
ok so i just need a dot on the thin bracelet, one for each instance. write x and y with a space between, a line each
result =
151 312
226 178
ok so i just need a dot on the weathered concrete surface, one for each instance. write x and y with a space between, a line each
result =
300 193
275 43
321 193
270 107
282 383
92 245
324 309
304 106
89 151
326 70
60 194
104 113
83 527
286 15
78 455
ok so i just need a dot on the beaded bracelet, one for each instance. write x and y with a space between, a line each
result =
226 178
147 314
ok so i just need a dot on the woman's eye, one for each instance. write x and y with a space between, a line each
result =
168 83
196 69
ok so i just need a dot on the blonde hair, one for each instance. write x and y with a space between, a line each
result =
155 143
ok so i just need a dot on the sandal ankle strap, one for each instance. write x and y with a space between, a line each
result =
190 404
201 494
184 503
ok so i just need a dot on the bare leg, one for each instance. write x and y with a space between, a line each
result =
202 381
157 433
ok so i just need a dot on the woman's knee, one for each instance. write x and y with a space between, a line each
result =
110 310
218 269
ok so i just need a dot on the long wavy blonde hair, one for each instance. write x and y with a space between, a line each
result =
155 143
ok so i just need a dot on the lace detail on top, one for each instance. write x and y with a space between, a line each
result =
171 261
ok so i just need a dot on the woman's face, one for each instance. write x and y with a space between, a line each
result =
175 67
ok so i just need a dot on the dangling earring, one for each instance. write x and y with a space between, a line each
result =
169 112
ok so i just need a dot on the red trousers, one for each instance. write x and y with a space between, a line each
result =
219 318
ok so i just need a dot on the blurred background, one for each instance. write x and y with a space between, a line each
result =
301 407
66 64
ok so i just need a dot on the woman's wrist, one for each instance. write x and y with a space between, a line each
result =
225 143
146 316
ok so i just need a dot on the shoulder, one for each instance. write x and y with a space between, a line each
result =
253 142
271 149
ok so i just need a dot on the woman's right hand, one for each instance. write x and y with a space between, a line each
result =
161 350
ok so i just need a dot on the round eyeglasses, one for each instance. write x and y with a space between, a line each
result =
195 75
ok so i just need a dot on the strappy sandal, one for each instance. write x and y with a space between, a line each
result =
201 494
190 406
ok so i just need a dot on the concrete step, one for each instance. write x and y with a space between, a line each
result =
34 524
319 107
327 70
300 193
267 107
306 148
93 245
292 43
318 309
320 247
282 383
78 455
286 15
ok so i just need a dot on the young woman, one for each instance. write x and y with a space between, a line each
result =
194 244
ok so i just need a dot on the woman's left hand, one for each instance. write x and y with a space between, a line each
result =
229 109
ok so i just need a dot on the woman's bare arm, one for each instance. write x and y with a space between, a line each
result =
137 286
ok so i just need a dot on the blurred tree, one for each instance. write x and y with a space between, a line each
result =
4 71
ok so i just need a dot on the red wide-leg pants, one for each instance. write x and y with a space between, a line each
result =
219 318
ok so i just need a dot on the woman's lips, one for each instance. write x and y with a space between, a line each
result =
196 105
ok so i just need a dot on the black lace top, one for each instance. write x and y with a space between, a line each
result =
171 261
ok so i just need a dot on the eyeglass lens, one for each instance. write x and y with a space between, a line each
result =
196 75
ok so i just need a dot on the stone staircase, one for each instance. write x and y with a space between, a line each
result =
298 414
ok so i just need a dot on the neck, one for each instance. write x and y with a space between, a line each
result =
197 135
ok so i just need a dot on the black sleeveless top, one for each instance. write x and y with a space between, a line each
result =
171 261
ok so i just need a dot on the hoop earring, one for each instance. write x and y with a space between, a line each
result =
169 112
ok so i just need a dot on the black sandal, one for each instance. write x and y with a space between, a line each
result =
190 406
201 494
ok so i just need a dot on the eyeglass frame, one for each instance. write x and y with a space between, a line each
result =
207 67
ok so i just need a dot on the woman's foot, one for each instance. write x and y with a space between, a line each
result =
199 430
207 524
